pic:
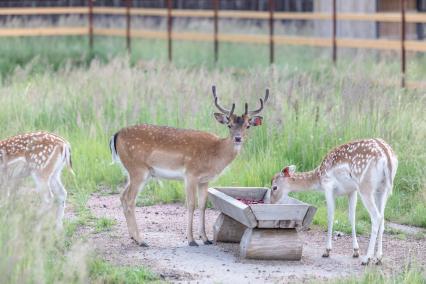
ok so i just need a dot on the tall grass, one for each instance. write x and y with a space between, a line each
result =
32 251
309 113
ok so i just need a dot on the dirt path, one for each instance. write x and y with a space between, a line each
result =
163 227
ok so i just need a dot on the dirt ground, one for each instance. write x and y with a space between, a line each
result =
168 255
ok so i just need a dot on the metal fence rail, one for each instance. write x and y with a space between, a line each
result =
272 39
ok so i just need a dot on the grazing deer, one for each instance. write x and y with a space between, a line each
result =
367 167
42 156
193 156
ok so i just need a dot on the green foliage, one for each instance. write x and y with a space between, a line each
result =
104 224
104 272
409 275
32 251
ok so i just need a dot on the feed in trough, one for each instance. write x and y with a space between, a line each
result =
249 202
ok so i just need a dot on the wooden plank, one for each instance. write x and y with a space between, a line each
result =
249 193
309 217
236 38
243 15
297 40
232 207
192 13
279 211
301 16
43 11
109 10
227 230
291 200
17 32
372 44
269 244
416 85
415 45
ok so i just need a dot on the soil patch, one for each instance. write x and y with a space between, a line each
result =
168 255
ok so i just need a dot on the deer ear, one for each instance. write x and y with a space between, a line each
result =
289 170
255 120
221 118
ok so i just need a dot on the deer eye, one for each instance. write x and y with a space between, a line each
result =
248 126
229 126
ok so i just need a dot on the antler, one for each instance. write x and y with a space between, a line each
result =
223 110
262 101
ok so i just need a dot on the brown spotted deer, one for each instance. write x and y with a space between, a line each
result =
42 156
367 167
196 157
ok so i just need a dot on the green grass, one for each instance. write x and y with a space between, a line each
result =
104 272
410 274
104 224
310 112
39 54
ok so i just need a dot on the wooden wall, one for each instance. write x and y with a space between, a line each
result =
281 5
393 30
348 29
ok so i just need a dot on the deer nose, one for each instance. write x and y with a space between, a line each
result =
237 139
274 187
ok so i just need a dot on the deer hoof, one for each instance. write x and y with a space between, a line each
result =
140 243
356 253
366 261
378 261
193 244
208 242
326 253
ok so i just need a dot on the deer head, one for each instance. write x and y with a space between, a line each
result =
280 183
238 125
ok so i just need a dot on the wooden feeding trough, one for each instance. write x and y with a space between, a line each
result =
264 231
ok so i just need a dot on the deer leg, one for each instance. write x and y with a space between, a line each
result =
202 202
60 197
352 214
128 201
42 186
190 187
376 220
381 199
329 196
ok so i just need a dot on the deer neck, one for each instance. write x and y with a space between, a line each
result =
227 150
305 181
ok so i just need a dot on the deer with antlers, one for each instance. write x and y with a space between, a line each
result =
367 167
196 157
42 156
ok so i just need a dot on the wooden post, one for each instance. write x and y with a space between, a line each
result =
216 29
403 59
227 230
279 244
90 4
271 31
128 6
334 31
169 28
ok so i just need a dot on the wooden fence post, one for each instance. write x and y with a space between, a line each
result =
271 31
216 29
169 28
334 31
90 4
403 62
128 6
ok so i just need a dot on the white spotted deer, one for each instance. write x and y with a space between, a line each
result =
367 167
42 156
196 157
